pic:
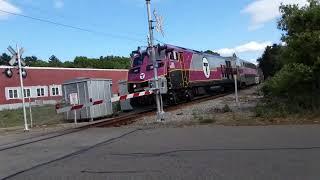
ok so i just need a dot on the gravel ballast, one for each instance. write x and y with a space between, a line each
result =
209 112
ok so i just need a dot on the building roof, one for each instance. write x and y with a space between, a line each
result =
71 69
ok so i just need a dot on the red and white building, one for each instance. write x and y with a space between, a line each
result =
43 84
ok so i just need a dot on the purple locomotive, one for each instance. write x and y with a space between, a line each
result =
186 73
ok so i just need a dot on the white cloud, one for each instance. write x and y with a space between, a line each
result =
262 11
7 6
58 4
252 46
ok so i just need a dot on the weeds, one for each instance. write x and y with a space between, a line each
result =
44 115
226 109
203 119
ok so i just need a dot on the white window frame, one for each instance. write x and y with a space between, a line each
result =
45 91
13 94
30 93
54 93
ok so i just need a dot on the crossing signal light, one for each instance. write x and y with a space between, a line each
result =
8 72
24 73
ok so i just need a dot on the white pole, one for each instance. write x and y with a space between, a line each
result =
22 91
30 113
236 89
160 112
75 117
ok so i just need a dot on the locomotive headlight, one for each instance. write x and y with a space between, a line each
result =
134 86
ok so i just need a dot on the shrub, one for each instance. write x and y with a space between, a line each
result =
293 86
226 109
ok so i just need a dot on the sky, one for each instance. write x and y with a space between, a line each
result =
95 28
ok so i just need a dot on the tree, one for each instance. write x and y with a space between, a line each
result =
108 62
30 60
4 59
55 62
212 52
301 27
33 61
270 62
298 82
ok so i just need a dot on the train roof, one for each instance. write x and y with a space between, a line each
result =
191 50
207 54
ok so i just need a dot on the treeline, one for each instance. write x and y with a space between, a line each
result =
107 62
292 69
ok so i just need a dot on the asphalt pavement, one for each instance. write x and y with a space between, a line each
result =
262 153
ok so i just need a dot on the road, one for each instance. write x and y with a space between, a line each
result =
231 153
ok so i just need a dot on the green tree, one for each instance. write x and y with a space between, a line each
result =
298 82
33 61
301 27
270 62
30 60
212 52
55 62
68 64
4 59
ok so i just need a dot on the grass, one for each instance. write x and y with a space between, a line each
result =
44 115
203 119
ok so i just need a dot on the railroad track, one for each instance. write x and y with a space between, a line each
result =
113 122
125 119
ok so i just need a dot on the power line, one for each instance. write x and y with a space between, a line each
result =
73 27
45 11
159 41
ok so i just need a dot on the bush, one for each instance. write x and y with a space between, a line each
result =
272 109
292 86
226 109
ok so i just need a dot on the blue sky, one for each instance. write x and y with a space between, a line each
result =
241 26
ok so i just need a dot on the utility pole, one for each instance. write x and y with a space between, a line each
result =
22 90
160 112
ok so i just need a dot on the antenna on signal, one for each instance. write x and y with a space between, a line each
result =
159 23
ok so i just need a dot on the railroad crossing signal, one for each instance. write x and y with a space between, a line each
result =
14 59
17 60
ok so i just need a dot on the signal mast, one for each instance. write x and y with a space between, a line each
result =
160 112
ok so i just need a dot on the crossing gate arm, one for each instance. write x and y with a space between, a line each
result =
133 95
60 110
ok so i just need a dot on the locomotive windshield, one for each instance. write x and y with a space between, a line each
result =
138 61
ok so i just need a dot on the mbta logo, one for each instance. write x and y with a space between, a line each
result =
206 67
142 76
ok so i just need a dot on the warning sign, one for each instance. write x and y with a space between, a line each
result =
74 98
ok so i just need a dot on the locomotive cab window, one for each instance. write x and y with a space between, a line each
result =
160 55
138 61
174 55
